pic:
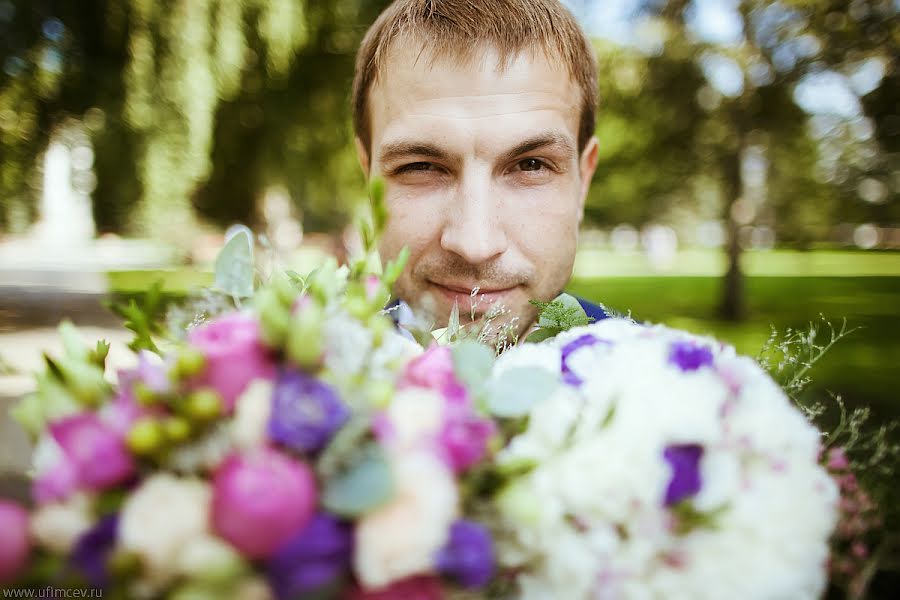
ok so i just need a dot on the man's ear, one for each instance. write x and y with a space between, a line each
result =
363 156
587 165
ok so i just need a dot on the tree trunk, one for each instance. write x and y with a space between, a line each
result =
732 304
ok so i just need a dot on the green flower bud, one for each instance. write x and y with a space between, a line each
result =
518 504
285 290
273 318
203 405
144 395
304 336
176 429
145 437
379 393
191 362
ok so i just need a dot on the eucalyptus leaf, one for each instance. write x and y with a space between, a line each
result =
365 485
544 333
234 266
472 362
518 390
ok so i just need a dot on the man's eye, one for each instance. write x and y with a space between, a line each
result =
417 166
531 164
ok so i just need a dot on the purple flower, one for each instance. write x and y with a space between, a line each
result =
468 556
261 500
96 451
306 412
56 483
688 356
314 557
234 353
92 550
684 460
567 350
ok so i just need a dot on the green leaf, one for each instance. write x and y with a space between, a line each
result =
365 485
73 345
453 324
541 334
99 353
516 391
472 362
145 319
234 266
395 268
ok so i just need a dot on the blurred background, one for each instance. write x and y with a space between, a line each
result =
748 175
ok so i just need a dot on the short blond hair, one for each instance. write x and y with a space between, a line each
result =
458 28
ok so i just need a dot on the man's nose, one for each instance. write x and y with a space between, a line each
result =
474 228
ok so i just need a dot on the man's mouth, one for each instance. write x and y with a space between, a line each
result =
472 297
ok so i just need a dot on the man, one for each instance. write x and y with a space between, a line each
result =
479 116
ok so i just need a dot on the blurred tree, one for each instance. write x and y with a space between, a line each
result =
688 116
193 104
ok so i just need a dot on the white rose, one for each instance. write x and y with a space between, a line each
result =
251 417
160 518
57 526
416 415
400 539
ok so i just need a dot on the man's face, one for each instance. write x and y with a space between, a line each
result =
483 181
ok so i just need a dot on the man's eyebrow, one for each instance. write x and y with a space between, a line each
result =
542 140
395 150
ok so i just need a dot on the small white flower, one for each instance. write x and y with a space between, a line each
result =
400 539
58 525
160 518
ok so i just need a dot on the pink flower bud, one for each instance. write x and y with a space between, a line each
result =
234 353
261 500
14 540
837 459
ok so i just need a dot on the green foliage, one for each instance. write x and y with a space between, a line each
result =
561 314
515 392
145 317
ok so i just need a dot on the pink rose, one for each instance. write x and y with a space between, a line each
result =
93 452
261 500
414 588
463 435
234 353
433 370
14 540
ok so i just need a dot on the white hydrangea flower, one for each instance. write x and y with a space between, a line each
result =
591 520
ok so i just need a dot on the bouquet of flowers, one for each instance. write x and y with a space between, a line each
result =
663 465
297 446
300 446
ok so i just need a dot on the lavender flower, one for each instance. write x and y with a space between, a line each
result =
93 548
688 356
306 412
583 341
313 558
685 462
468 556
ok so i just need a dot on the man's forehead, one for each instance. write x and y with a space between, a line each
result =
421 89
